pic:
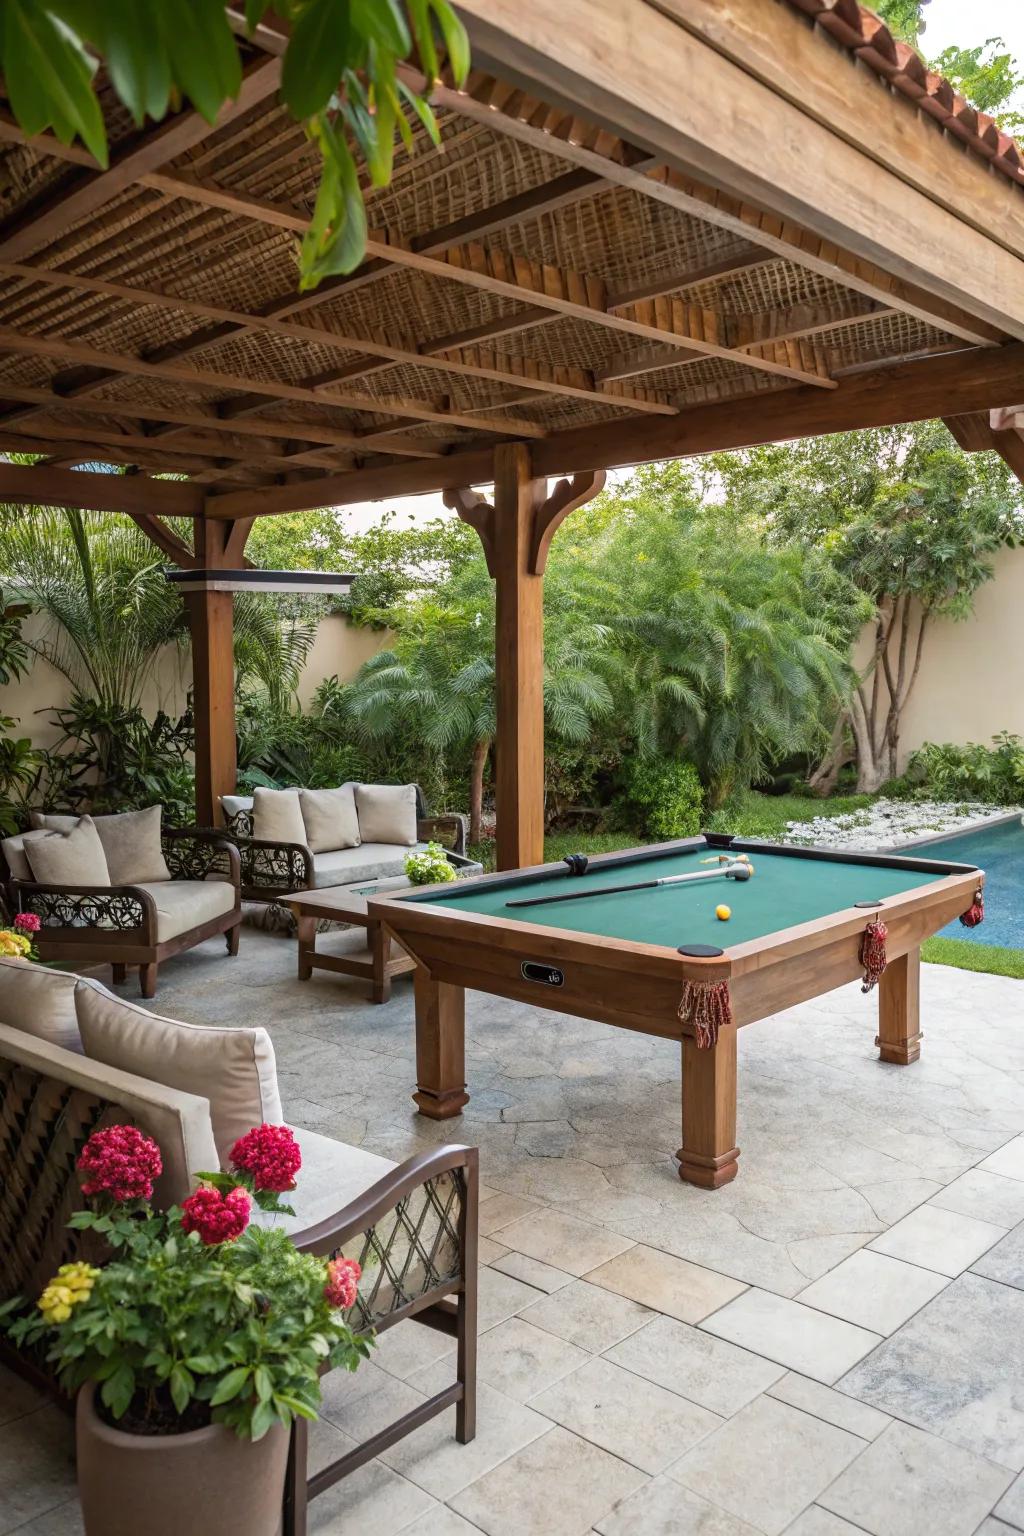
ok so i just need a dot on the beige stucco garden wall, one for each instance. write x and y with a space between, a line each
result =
971 682
339 648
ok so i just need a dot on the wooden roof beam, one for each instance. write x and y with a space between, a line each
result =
620 62
967 380
180 416
98 493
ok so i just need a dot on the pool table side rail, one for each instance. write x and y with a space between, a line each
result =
638 985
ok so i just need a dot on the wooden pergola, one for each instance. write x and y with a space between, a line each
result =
658 228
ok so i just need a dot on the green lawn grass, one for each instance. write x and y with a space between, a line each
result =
992 959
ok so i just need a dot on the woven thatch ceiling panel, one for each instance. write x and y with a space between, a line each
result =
561 412
890 336
275 359
619 236
478 169
770 286
573 343
430 385
27 370
408 305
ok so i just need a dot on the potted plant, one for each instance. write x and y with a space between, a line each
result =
195 1346
16 941
428 866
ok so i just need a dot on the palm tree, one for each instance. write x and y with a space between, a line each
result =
436 685
100 583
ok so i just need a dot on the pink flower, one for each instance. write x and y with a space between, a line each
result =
27 922
121 1162
340 1290
270 1154
217 1218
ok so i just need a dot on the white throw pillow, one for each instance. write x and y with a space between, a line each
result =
39 1001
277 816
13 849
46 821
387 813
329 816
233 1068
131 842
69 858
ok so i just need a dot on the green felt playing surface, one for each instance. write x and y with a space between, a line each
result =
783 892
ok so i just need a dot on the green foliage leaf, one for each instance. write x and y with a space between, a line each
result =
383 23
127 36
321 48
234 1382
48 76
202 52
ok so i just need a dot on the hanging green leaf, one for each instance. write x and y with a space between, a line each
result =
318 54
336 239
382 22
126 34
202 51
48 76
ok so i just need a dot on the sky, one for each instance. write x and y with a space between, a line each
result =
965 23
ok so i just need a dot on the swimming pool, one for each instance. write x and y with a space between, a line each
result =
999 851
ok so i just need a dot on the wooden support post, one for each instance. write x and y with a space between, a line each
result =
516 534
518 661
211 622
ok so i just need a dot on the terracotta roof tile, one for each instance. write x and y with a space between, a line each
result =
858 29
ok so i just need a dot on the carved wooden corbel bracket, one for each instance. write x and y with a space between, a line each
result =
478 512
551 514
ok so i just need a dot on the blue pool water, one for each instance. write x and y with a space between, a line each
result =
999 851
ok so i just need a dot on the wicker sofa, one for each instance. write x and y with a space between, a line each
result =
272 868
413 1226
192 893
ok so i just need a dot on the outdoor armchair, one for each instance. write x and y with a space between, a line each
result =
140 923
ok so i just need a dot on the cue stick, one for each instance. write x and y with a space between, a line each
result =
734 871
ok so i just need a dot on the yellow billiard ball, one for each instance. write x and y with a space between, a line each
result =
723 913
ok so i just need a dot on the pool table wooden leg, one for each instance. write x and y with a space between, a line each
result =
899 1026
708 1154
440 1047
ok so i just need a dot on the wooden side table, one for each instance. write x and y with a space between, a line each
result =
378 962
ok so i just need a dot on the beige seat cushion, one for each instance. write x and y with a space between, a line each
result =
233 1068
72 858
185 904
39 1001
329 816
178 1122
387 813
370 861
277 816
14 852
332 1175
131 842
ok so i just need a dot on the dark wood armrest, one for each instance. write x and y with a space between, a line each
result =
437 828
107 908
275 865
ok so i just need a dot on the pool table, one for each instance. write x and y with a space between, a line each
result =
628 958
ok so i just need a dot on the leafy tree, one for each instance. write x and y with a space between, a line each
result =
988 75
339 77
727 650
911 523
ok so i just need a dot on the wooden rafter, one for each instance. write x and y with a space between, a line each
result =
549 130
915 391
499 370
205 378
492 270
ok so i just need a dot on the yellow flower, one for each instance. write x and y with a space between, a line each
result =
13 943
72 1284
78 1277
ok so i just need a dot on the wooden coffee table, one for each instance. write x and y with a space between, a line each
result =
379 961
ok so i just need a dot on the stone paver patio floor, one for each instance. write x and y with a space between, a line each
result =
833 1343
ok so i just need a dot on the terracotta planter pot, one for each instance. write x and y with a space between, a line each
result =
163 1485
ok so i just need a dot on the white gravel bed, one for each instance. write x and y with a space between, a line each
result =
890 823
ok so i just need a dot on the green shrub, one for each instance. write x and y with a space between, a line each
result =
428 866
667 795
992 774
